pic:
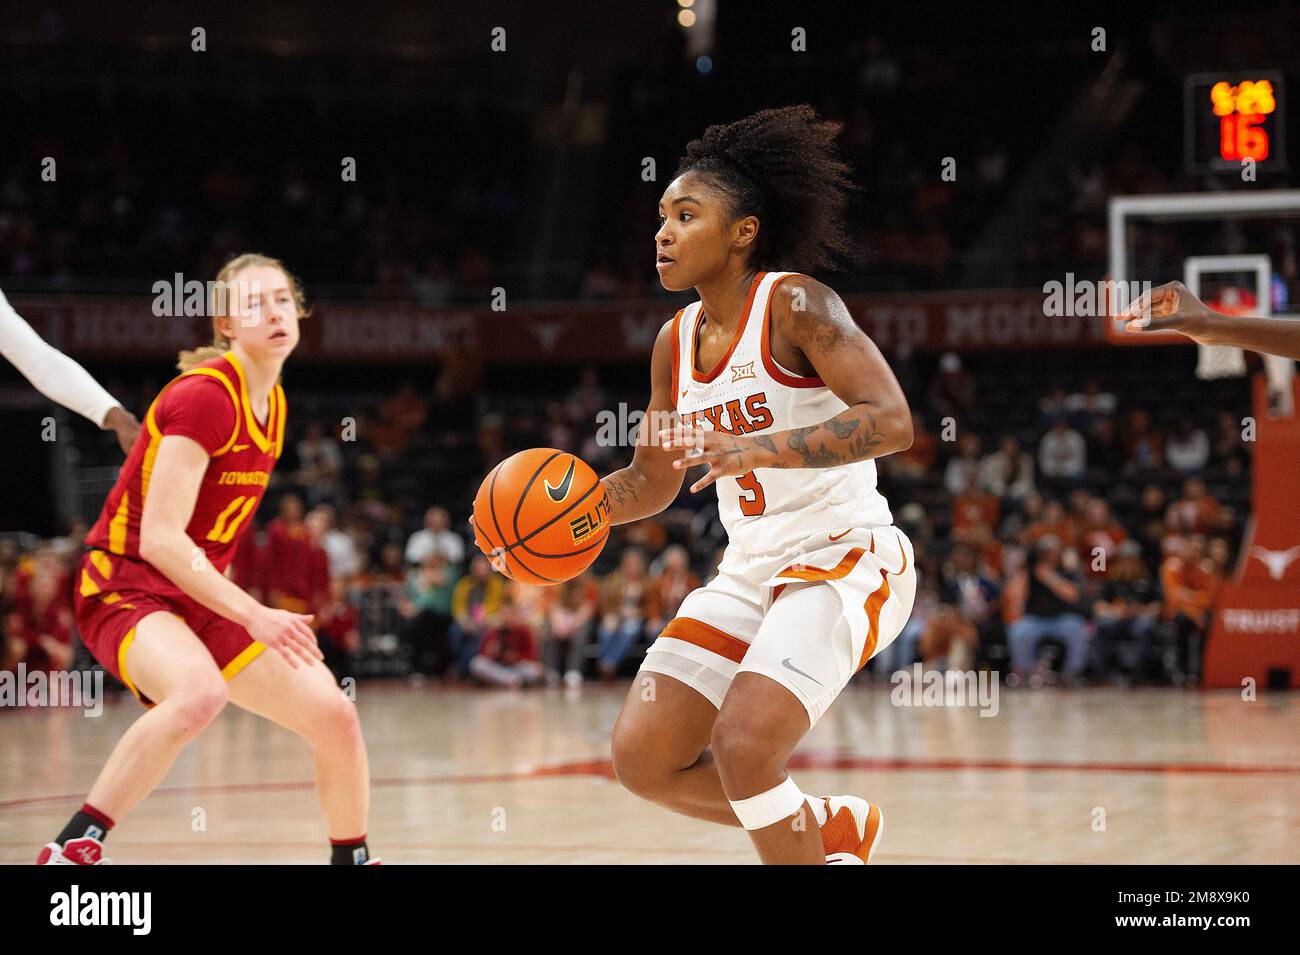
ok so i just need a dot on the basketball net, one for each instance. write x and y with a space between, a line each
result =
1225 361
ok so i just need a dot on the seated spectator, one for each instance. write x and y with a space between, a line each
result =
475 603
1219 552
1062 454
589 397
296 567
531 602
339 547
338 624
1188 583
953 388
626 606
391 570
974 595
671 585
948 641
39 629
1105 450
507 655
1055 522
1015 526
975 508
1100 537
248 564
320 465
963 470
648 534
1187 449
1125 615
1228 445
426 612
1052 610
400 416
988 549
567 629
1195 512
1090 406
1144 446
1008 472
1051 407
436 537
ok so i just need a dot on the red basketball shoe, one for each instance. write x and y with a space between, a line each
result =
84 851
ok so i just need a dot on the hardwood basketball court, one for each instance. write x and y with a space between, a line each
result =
467 776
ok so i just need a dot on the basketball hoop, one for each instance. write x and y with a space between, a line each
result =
1224 361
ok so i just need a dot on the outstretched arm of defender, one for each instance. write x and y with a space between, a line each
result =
179 467
877 422
1171 307
649 484
61 379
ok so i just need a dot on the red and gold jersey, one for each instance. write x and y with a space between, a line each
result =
208 404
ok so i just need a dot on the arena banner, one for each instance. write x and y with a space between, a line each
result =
1255 634
103 328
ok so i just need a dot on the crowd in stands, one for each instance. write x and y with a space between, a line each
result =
1081 542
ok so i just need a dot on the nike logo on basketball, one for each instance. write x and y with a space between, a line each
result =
835 537
786 663
557 494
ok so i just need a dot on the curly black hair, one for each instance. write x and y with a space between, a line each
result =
783 167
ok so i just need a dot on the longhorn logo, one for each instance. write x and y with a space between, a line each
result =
1277 561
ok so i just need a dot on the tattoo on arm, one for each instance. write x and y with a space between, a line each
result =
843 429
620 489
838 440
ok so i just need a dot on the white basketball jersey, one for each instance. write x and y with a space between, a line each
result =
748 392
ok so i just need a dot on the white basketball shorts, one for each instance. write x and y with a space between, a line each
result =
808 616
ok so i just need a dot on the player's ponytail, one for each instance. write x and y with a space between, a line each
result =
783 167
219 302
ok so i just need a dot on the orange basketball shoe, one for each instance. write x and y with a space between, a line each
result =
852 830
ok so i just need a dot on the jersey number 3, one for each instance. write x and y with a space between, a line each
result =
751 506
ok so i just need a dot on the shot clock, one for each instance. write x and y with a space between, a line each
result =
1231 117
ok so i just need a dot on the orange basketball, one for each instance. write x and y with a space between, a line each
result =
542 516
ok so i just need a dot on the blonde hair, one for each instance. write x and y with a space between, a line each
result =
217 305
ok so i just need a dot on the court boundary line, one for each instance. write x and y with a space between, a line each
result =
602 767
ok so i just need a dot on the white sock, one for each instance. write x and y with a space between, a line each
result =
818 806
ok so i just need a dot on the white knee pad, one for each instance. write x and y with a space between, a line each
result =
780 802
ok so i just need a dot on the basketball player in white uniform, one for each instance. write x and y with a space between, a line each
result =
61 379
787 402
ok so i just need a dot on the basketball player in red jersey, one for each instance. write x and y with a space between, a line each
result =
153 603
793 403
